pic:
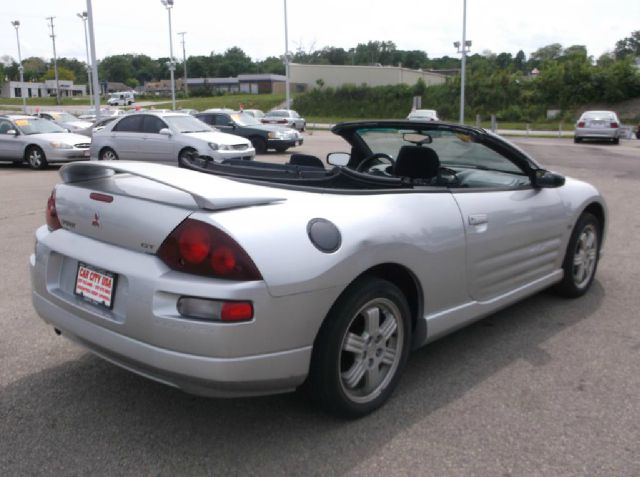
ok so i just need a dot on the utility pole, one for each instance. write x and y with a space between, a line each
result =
55 60
16 25
83 17
184 62
286 56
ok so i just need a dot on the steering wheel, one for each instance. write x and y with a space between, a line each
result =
368 162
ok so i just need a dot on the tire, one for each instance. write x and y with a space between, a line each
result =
185 156
36 158
361 349
108 154
577 140
616 140
259 144
581 259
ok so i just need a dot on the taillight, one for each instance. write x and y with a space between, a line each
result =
581 124
53 222
215 310
614 125
202 249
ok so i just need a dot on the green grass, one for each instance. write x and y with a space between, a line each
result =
48 101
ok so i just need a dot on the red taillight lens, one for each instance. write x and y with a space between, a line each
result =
52 214
202 249
614 125
581 124
194 243
236 311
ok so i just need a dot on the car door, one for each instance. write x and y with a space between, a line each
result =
127 138
157 147
11 145
224 123
514 232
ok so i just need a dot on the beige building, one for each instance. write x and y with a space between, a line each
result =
339 75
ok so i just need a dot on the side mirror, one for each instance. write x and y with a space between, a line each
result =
546 179
338 158
165 132
12 132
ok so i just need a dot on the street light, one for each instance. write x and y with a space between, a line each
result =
83 16
171 64
286 56
16 25
463 48
184 61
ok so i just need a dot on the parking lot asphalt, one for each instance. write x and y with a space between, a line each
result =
546 387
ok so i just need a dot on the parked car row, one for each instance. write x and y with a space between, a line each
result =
148 135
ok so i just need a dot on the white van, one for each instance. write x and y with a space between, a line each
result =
121 98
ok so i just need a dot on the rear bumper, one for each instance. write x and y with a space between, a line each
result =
206 376
597 133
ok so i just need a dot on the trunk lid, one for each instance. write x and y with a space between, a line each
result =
136 205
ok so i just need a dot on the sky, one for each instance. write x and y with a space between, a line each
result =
257 26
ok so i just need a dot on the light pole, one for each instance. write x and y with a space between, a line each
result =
184 62
463 48
94 62
172 64
55 60
286 57
16 25
83 17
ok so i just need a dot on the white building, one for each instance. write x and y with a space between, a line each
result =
14 89
338 75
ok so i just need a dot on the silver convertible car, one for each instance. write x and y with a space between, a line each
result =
247 278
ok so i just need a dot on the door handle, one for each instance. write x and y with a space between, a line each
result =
478 219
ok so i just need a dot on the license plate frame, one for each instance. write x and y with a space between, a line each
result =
95 285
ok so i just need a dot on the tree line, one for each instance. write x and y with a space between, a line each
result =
512 85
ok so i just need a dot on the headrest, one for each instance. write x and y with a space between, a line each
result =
416 162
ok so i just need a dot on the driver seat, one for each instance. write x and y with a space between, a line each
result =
417 162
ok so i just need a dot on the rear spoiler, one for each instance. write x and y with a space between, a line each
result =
208 191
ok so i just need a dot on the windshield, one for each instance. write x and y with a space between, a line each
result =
244 119
454 149
37 126
187 124
63 117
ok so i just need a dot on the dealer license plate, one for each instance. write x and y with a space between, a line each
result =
95 285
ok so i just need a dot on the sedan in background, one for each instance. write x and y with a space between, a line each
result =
600 125
285 117
423 115
39 141
65 120
262 136
96 126
166 137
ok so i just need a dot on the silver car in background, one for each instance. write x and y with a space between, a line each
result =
39 141
602 125
166 137
423 115
285 117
